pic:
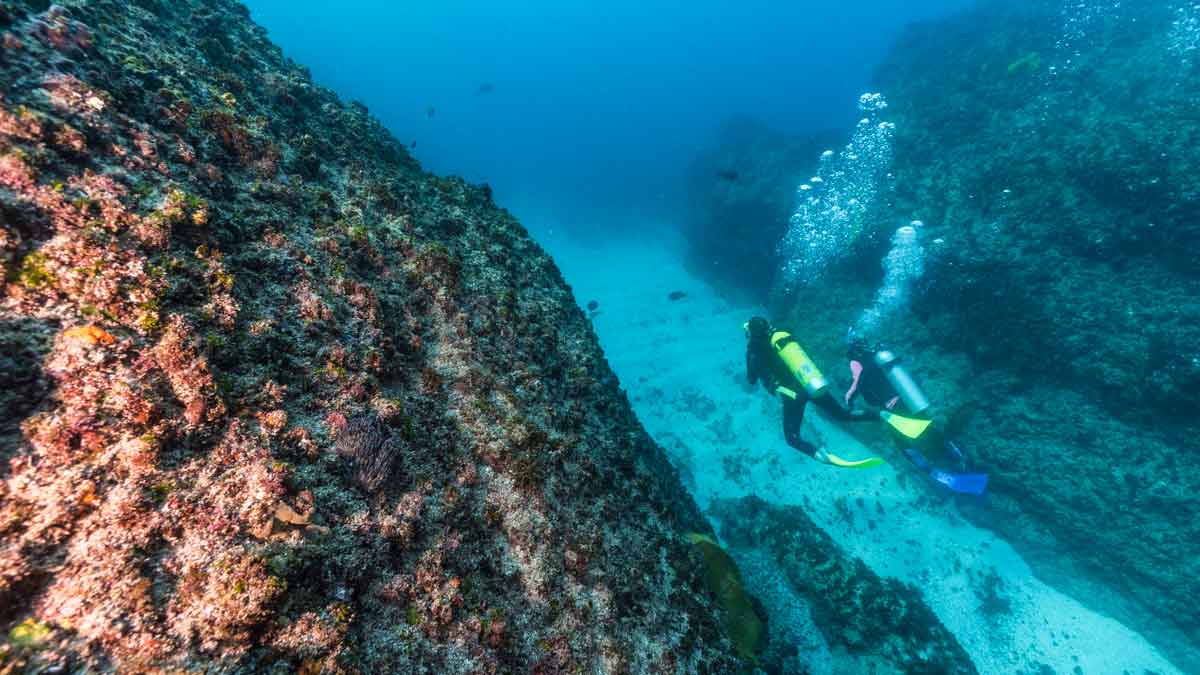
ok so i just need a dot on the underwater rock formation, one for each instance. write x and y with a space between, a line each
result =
871 624
274 399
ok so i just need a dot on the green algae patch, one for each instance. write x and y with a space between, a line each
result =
721 576
1030 63
29 634
34 273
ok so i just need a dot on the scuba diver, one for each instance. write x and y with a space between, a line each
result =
881 380
775 358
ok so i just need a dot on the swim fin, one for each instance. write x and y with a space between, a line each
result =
909 426
966 483
853 464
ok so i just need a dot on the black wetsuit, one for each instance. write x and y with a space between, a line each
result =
873 385
763 363
875 390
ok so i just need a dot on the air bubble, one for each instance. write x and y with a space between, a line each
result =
830 218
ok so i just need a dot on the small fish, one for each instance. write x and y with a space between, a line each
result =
676 295
430 112
412 145
485 88
728 175
593 306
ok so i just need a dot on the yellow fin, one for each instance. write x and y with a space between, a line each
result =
911 427
854 464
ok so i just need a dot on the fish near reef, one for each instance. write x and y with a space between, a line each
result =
676 295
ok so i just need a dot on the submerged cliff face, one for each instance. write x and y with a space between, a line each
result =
274 398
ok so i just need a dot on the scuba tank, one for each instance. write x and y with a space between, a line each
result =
798 363
906 387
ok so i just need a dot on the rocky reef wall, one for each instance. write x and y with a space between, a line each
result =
274 399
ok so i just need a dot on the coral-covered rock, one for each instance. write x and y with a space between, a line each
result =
1054 158
274 398
871 624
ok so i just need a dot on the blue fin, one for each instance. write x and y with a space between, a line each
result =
966 483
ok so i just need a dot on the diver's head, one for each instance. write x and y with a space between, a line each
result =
859 348
758 329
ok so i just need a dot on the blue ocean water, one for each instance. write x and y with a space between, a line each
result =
585 112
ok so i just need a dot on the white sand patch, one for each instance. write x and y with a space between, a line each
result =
682 363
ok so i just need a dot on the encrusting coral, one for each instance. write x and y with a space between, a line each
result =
275 399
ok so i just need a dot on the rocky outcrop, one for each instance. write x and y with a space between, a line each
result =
274 399
871 624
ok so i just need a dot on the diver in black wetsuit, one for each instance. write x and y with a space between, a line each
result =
774 357
870 384
881 381
873 386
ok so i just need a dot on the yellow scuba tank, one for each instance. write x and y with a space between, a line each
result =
798 363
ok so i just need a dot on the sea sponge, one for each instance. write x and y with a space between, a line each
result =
90 334
743 624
